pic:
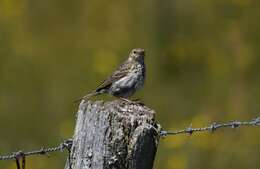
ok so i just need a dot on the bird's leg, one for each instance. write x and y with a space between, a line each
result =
135 101
125 99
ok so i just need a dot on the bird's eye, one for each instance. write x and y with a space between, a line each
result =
135 52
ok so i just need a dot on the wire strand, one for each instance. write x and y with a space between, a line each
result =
66 144
213 127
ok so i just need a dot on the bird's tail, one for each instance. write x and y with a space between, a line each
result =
86 97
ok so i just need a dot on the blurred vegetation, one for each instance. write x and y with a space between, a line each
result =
203 66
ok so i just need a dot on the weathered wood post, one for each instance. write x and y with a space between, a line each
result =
114 135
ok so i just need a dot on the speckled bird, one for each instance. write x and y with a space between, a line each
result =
125 80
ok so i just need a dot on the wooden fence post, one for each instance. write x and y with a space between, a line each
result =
114 135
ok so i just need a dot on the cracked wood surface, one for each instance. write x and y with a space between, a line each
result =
114 135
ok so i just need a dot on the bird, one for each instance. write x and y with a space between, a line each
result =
125 80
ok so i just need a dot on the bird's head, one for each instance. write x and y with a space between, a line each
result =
137 55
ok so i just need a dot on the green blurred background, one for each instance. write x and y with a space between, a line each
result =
202 62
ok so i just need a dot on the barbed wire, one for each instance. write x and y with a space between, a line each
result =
43 151
213 127
66 144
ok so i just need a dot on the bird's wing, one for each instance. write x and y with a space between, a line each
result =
119 73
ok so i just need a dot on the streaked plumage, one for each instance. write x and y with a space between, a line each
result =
126 79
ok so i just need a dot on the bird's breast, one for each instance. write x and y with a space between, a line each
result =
127 85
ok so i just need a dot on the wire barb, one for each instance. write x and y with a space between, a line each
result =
66 144
213 127
19 155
